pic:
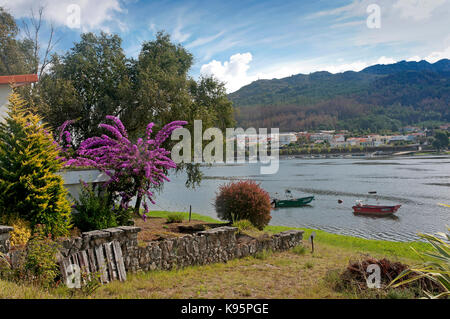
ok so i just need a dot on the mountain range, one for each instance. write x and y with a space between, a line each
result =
379 97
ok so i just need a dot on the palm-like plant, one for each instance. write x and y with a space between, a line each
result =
437 269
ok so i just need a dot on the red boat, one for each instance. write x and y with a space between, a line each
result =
374 210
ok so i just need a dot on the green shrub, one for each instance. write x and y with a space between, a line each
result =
21 233
437 270
175 218
263 254
95 211
299 250
41 265
309 265
243 225
30 188
35 264
244 200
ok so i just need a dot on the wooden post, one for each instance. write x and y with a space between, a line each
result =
311 239
190 212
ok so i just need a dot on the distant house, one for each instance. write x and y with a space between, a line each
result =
411 129
287 138
10 81
405 138
353 141
321 136
338 141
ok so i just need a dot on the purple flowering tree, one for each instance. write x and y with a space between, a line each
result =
134 168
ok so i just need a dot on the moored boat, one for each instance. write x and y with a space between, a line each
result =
293 202
375 210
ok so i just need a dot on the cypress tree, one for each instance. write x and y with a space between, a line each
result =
30 189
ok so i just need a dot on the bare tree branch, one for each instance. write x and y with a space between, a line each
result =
32 33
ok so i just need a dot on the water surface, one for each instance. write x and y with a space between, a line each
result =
417 183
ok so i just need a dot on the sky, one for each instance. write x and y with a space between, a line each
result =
242 41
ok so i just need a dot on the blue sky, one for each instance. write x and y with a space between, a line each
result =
242 41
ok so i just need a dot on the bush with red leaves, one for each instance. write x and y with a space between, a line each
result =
244 200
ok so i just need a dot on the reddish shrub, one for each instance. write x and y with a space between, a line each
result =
244 200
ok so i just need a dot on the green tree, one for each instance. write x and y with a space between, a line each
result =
440 141
90 81
30 189
95 79
15 55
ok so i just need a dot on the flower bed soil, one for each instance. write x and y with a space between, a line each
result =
157 228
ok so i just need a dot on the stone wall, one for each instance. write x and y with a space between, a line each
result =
204 247
125 235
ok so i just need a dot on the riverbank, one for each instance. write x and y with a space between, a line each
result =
291 274
356 244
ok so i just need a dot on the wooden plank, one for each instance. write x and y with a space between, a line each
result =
80 263
101 264
64 265
119 261
82 257
107 259
92 261
76 261
110 261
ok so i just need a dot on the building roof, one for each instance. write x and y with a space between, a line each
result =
18 80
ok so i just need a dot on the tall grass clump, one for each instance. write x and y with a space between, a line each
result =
175 218
437 269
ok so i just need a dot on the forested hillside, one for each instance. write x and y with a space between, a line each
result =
380 97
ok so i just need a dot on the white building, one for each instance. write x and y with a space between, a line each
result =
287 138
321 136
7 83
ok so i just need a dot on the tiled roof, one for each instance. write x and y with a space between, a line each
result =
18 80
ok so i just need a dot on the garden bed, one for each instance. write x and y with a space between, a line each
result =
157 228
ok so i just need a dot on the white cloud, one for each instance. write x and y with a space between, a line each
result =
204 40
385 60
235 71
178 35
415 58
438 55
232 72
93 14
417 9
422 24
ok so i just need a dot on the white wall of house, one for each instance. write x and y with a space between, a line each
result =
72 179
5 91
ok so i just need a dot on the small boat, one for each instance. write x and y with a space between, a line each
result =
374 210
293 202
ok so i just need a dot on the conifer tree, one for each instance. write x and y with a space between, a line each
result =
30 189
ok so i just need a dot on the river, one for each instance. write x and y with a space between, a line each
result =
417 183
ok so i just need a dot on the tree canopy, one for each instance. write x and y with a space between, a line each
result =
95 78
16 56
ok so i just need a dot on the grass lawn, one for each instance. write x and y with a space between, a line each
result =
290 274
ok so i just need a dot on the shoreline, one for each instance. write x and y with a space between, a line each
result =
397 249
359 155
